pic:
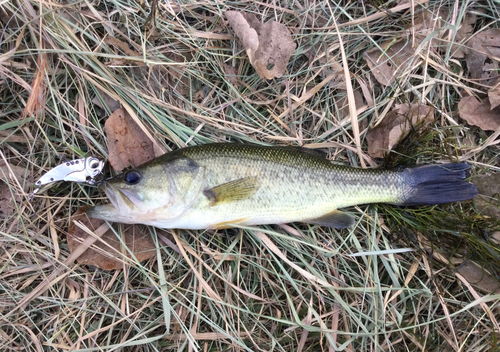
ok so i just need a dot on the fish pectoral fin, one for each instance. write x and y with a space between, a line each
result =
232 191
336 219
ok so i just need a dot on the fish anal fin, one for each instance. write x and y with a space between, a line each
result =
336 219
232 191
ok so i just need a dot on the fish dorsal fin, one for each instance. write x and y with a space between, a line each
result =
336 219
309 151
232 191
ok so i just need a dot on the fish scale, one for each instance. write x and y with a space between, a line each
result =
222 185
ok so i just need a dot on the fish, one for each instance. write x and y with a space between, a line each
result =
224 185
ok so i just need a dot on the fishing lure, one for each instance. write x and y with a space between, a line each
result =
85 170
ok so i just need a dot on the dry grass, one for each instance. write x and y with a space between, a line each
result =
274 288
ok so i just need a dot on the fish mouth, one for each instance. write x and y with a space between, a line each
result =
118 199
124 203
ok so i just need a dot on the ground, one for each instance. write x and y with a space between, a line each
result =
373 84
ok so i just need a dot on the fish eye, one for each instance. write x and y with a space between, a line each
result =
132 177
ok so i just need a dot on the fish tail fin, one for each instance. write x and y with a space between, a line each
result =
438 184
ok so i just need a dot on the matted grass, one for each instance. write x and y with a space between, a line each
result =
274 288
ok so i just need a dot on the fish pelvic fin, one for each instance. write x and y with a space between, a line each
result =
227 224
232 191
438 184
336 219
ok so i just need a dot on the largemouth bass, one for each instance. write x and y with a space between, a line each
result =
218 186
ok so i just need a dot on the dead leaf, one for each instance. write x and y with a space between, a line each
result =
490 42
428 23
268 45
105 102
10 194
479 277
487 201
494 95
330 66
490 73
388 64
495 237
479 113
124 47
9 191
338 80
108 254
70 17
6 15
128 145
458 51
231 75
178 74
8 199
484 45
74 289
387 67
395 126
201 95
163 81
367 91
343 107
17 171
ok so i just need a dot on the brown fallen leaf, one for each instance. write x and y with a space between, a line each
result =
8 199
105 102
428 23
231 75
124 48
484 45
17 171
387 67
178 75
390 62
10 177
201 95
108 253
494 95
487 201
330 66
479 277
338 80
268 45
479 113
495 237
166 81
465 31
395 126
343 107
128 145
472 272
